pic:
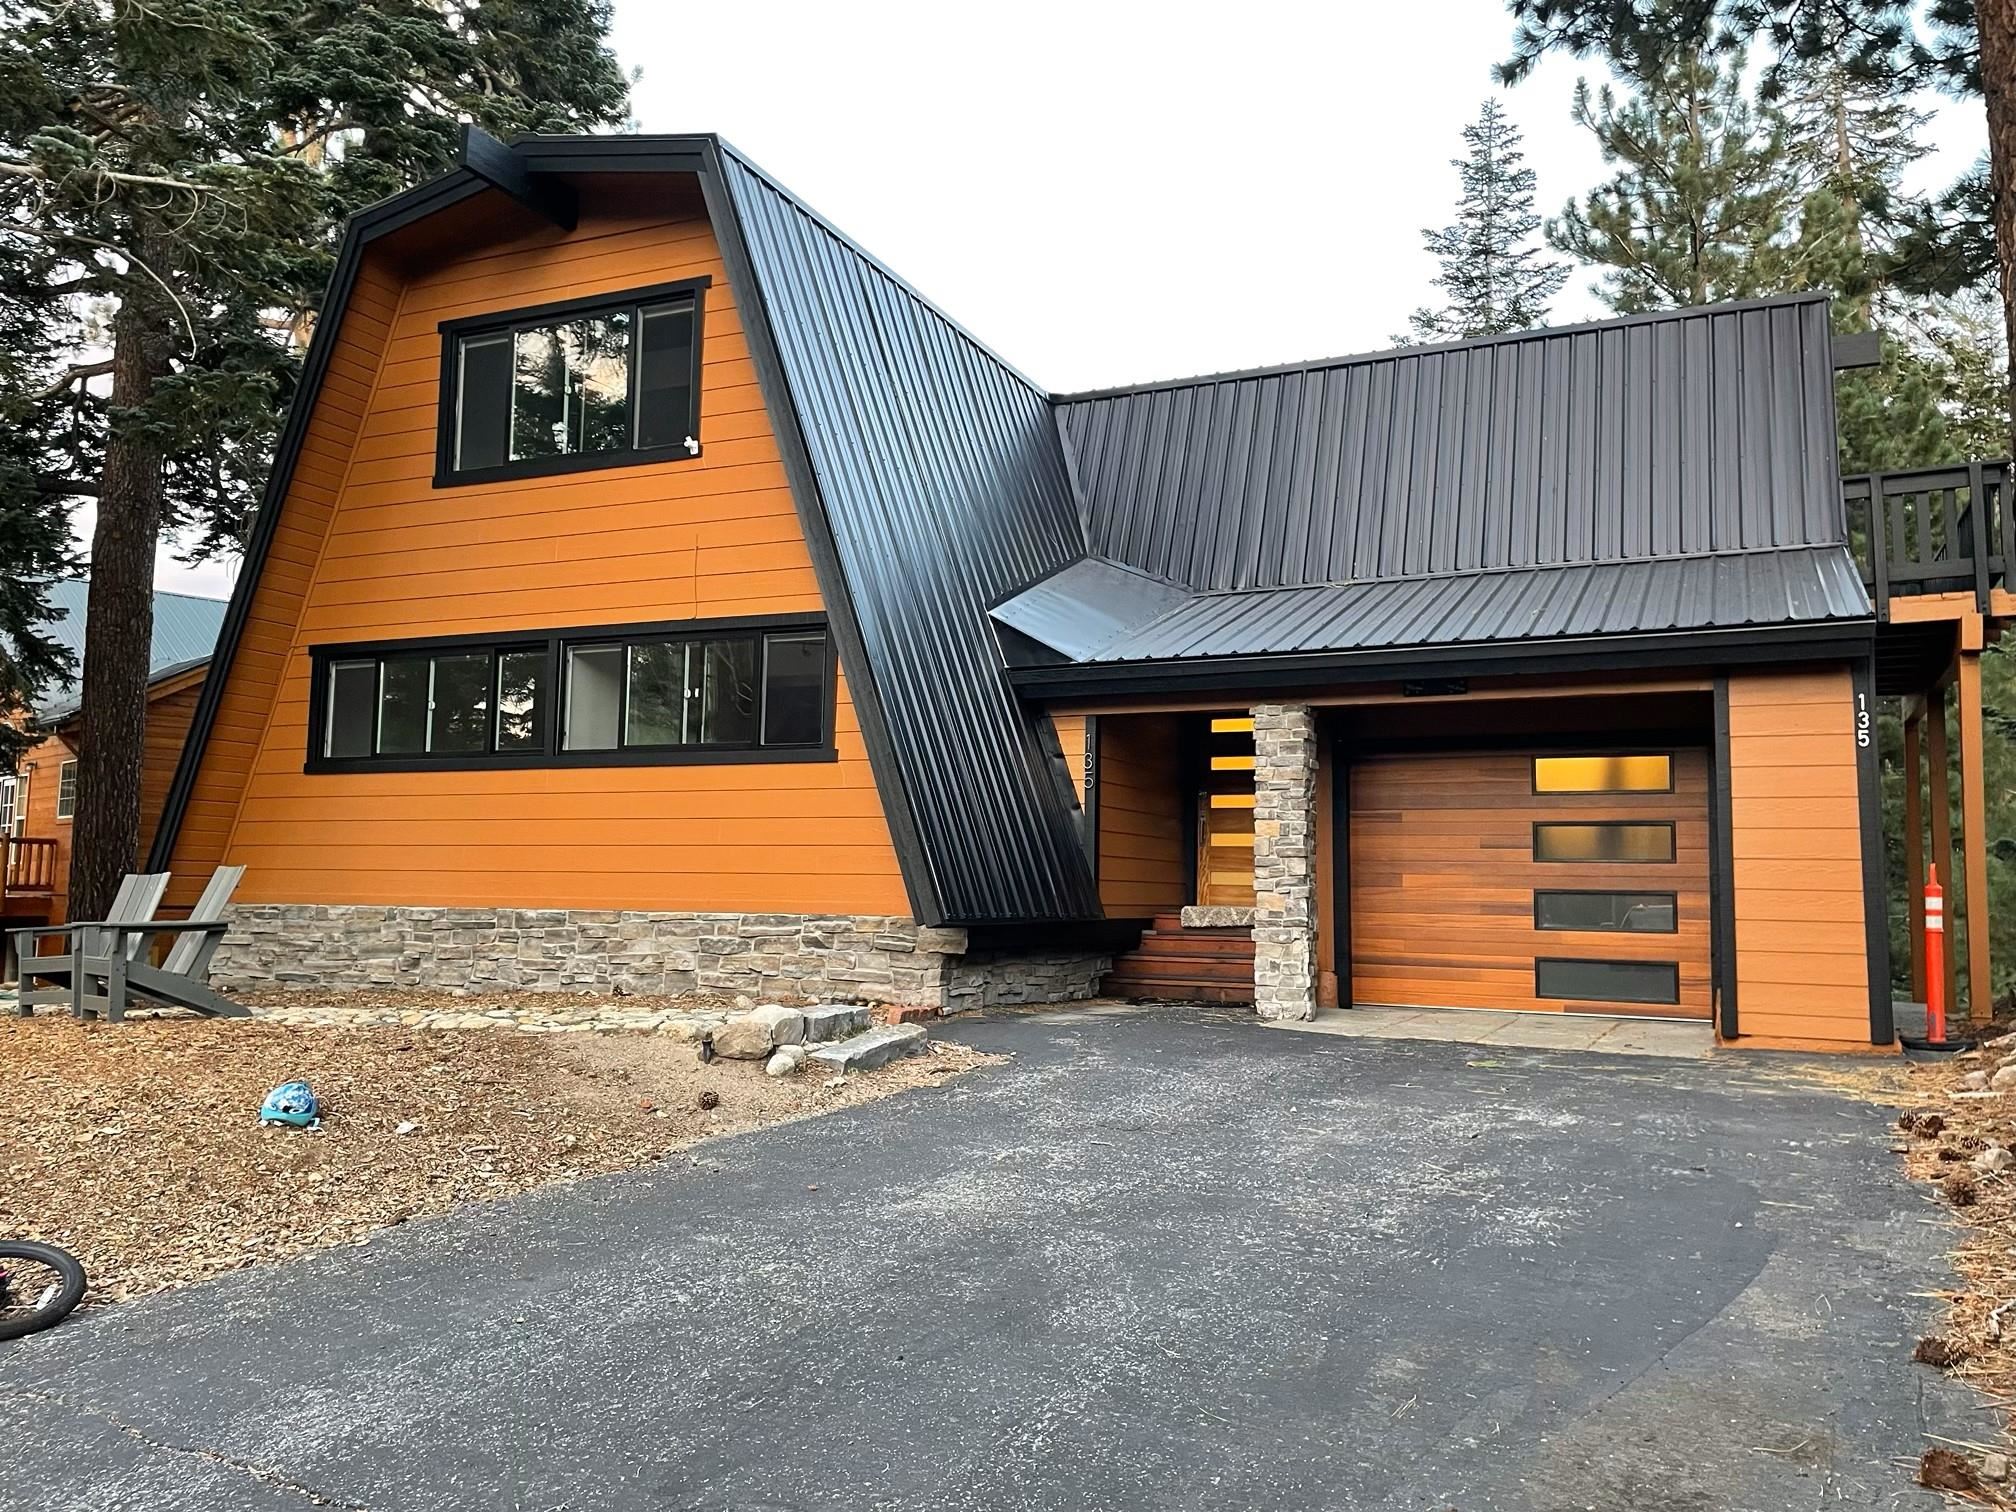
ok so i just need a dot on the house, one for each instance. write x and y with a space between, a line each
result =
37 801
655 591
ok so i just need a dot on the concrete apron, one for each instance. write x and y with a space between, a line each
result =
1540 1031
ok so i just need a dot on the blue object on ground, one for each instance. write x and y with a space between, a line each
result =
291 1103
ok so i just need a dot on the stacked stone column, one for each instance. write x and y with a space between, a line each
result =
1284 861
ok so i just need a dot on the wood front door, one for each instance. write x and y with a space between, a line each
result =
1531 881
1225 815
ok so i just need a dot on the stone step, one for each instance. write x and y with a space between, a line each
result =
830 1021
878 1047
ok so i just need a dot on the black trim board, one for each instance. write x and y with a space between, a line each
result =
1340 863
1722 870
501 168
1875 888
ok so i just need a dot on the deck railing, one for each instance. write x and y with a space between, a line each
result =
1933 530
27 867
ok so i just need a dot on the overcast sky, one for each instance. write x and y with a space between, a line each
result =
1109 192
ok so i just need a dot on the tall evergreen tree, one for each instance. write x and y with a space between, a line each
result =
1965 46
176 170
1694 211
1494 277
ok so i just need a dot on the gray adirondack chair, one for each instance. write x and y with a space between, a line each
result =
138 896
182 978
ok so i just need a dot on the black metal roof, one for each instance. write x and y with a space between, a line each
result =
1658 435
942 483
1077 612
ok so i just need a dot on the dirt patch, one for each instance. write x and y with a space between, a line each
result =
137 1145
1954 1140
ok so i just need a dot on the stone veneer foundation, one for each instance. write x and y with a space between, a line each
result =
1284 861
481 950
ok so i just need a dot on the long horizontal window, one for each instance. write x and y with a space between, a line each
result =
1607 981
1621 841
719 690
584 383
1617 912
1603 774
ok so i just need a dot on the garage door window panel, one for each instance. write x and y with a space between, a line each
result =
1606 912
1625 842
1569 980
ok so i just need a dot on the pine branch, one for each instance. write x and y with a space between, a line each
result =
104 176
74 375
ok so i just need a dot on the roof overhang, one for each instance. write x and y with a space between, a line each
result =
1834 641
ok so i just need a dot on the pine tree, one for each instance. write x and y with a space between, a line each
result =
1495 280
172 176
1963 46
1694 212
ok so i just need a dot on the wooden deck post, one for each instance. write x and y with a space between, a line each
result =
1914 843
1942 812
1974 836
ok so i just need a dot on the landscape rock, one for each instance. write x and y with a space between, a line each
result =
744 1037
2000 1042
1995 1467
831 1021
1993 1159
878 1047
787 1059
2003 1079
1975 1081
787 1025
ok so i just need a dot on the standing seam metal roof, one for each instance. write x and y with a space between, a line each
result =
185 632
944 486
1672 434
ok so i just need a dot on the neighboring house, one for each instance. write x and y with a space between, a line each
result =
654 591
38 801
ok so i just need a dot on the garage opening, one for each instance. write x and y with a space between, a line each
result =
1508 874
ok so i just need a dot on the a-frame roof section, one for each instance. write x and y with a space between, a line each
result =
930 480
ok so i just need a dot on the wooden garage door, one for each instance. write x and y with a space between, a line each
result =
1452 906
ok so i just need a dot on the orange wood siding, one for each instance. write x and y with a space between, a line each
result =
370 549
42 764
1140 815
1802 965
170 707
1443 876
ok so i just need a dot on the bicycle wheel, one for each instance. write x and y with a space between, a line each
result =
39 1284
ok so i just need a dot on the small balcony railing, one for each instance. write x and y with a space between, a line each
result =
1932 530
27 870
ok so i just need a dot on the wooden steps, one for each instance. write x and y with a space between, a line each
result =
1185 965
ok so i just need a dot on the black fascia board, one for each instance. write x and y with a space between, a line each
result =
367 226
1840 640
504 170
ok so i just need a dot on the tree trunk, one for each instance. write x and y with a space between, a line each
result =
1996 20
119 621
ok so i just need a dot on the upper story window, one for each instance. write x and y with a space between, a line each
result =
699 690
585 383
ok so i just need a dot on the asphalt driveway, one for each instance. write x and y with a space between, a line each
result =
1159 1260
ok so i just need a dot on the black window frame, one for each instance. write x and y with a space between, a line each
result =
555 644
455 332
1641 1002
1670 826
1673 898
